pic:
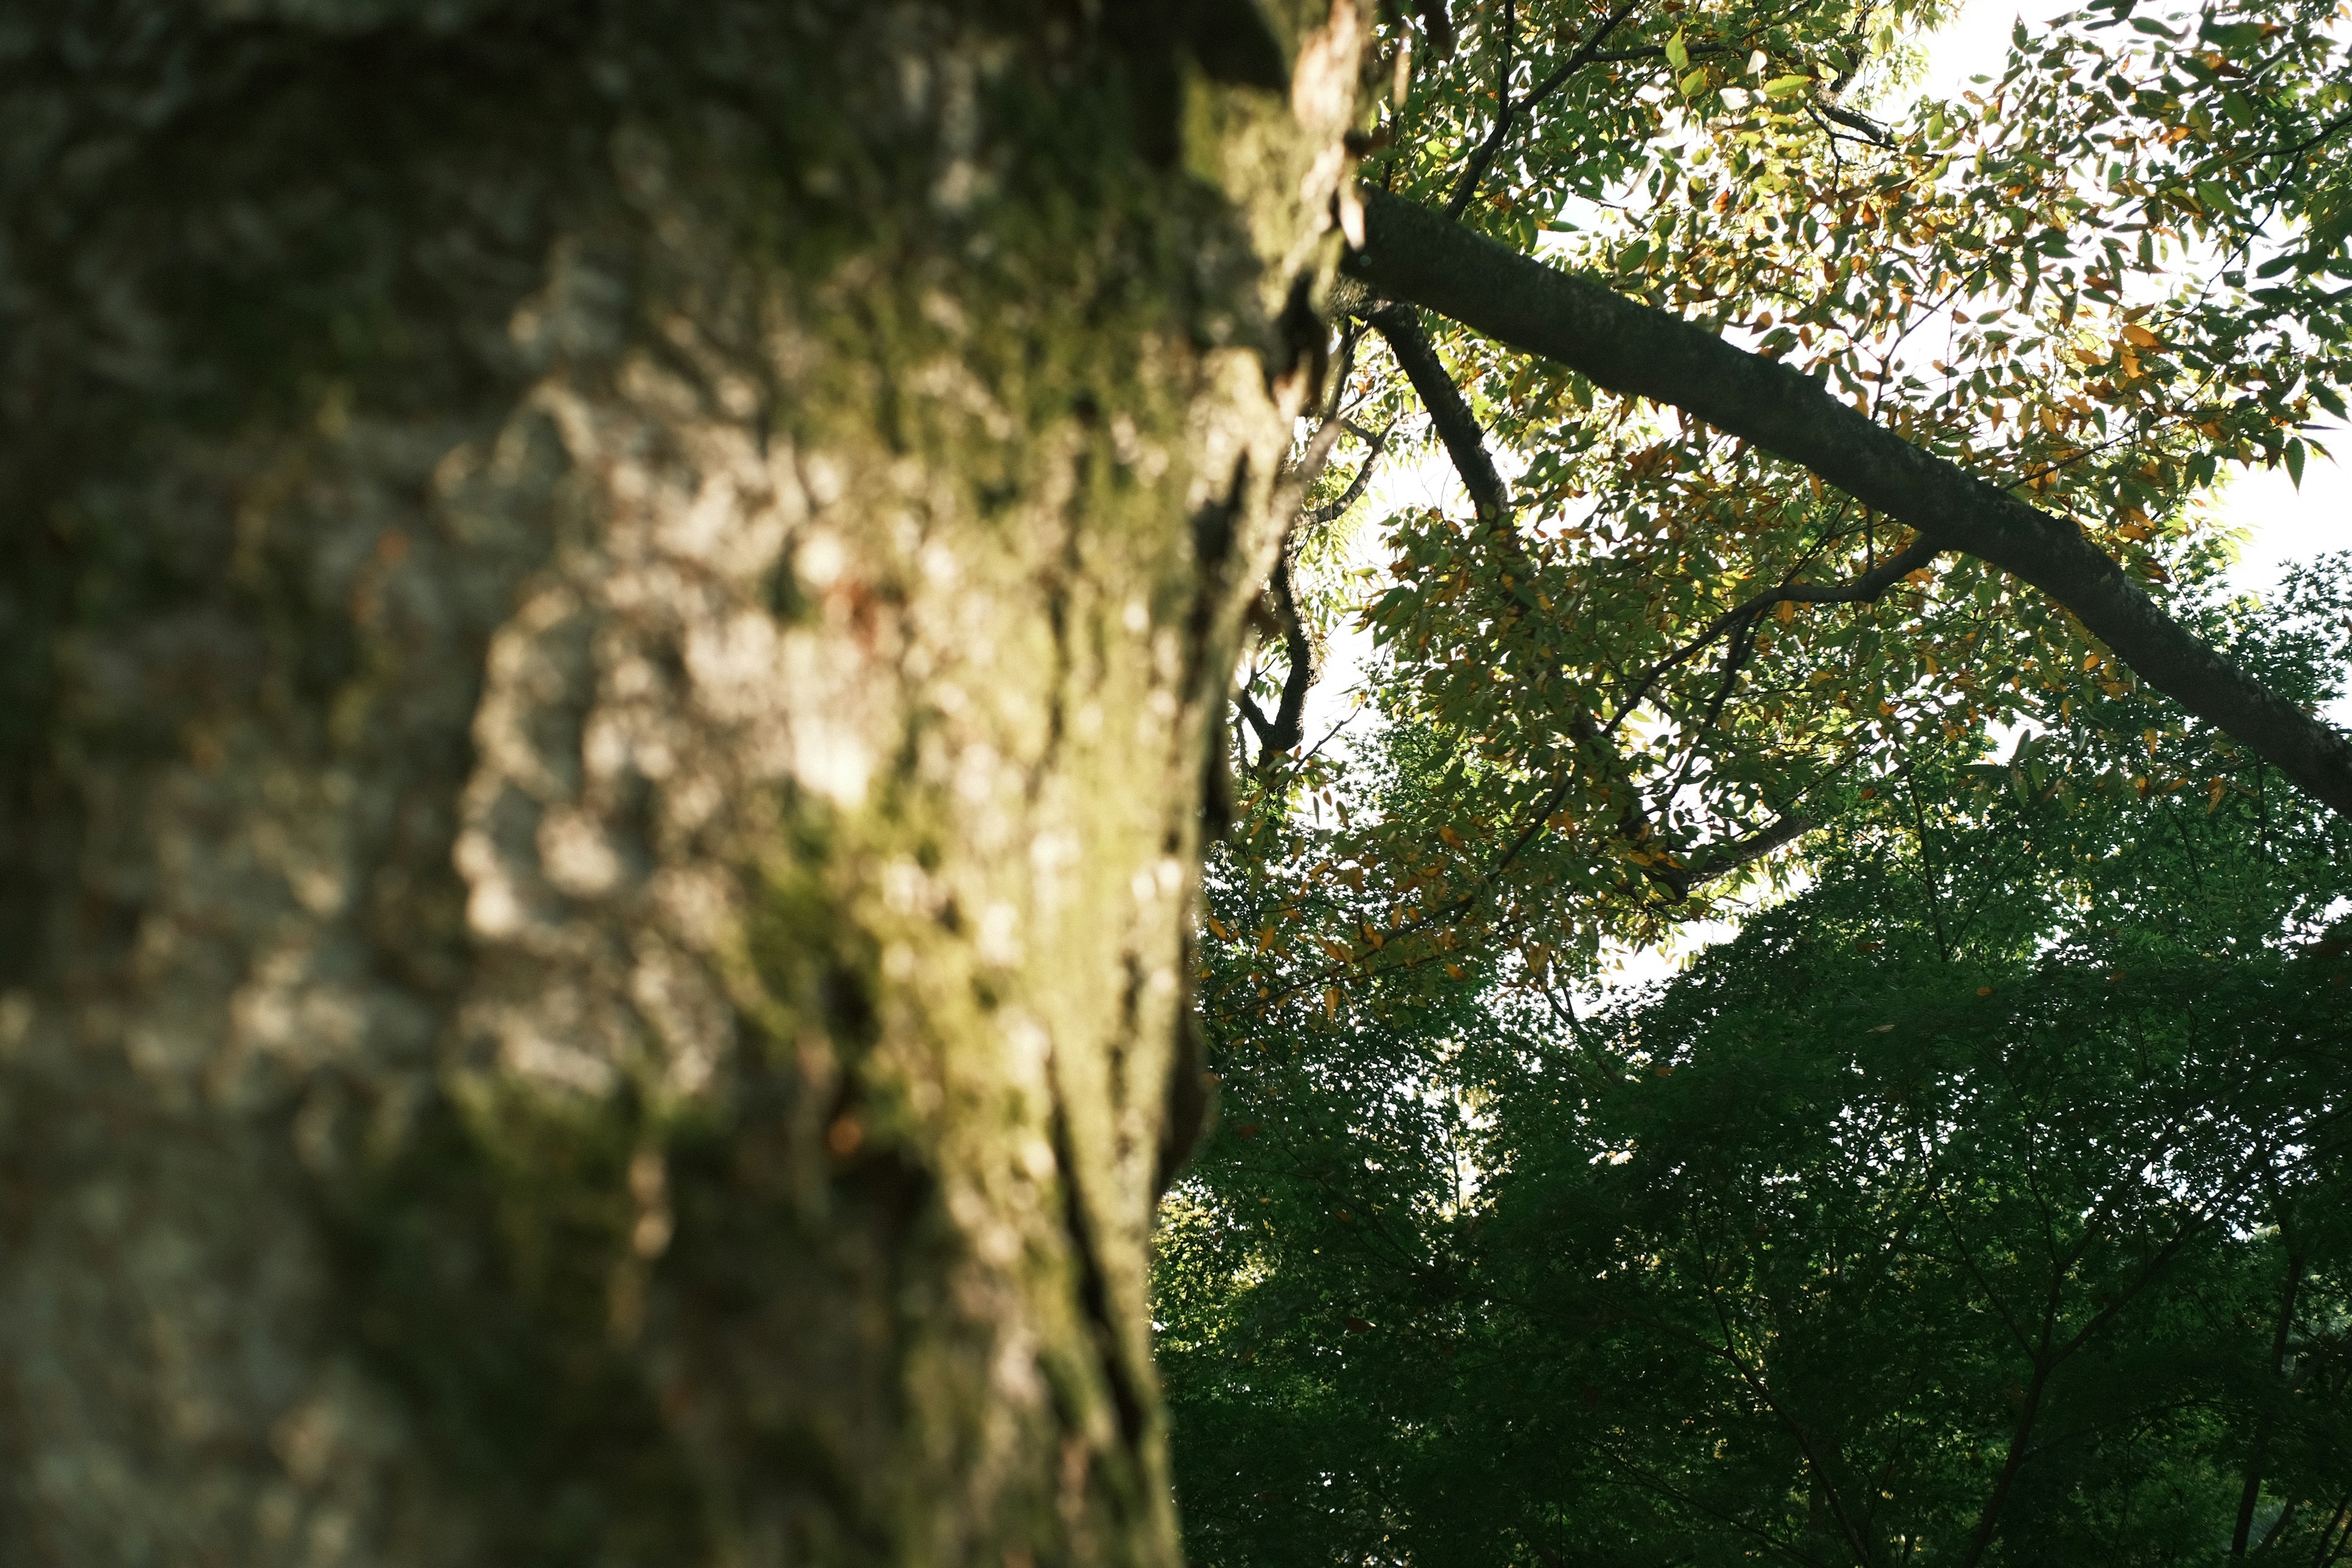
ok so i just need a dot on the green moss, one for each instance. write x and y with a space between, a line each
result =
480 1266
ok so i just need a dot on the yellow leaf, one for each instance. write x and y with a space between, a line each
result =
1218 926
1785 610
1454 970
1330 1001
1265 939
2139 336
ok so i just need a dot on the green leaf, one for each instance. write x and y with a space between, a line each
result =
1677 52
2294 455
2233 36
1786 85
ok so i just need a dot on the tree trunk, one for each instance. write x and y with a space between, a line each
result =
610 619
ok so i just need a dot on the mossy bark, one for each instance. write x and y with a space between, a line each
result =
611 616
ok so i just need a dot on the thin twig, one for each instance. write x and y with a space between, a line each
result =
1466 189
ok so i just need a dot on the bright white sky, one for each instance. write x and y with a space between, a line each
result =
2280 524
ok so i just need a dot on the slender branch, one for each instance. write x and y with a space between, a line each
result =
2305 145
1290 491
1288 725
1378 440
1645 1477
1658 52
1449 411
1416 254
1861 590
2326 1553
1729 858
1871 130
1728 1352
1988 1520
1466 189
1476 169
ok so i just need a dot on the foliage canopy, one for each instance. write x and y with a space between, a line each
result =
1983 1200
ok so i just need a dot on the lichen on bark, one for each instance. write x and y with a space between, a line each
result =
614 621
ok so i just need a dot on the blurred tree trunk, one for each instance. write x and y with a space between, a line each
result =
610 619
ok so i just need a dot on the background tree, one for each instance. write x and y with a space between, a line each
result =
1819 434
1981 1204
612 614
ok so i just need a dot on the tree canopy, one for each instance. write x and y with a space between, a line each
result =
1984 1202
1823 436
1838 465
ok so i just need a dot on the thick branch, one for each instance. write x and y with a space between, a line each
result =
1415 254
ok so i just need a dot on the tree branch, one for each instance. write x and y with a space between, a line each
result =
1331 510
1729 858
1288 725
1413 254
1862 590
1466 189
1449 411
1872 131
1300 477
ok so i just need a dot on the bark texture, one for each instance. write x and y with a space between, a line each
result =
608 622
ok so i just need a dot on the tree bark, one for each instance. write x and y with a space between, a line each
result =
611 614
